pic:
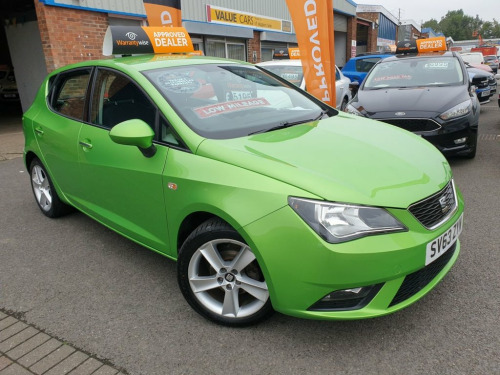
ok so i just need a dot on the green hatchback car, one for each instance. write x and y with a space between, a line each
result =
268 199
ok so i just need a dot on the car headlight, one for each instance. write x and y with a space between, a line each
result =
336 222
458 111
353 111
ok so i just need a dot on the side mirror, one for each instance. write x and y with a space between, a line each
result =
354 87
134 133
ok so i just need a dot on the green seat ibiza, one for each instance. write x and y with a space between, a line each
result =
268 199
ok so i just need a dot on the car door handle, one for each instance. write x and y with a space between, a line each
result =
86 144
39 131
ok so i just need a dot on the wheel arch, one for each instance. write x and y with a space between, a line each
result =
190 223
196 218
28 159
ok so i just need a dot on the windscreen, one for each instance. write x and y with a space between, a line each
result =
415 72
229 101
292 74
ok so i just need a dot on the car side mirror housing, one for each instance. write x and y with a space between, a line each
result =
354 87
472 90
134 132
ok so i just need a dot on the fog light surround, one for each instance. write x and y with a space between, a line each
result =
460 141
347 299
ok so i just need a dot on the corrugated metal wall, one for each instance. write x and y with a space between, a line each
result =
386 28
121 6
195 10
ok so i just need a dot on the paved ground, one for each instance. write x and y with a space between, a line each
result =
11 132
26 350
97 291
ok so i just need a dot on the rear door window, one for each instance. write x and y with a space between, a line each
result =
69 93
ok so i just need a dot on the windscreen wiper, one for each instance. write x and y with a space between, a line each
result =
287 124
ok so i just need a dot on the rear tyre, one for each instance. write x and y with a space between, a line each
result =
220 278
45 195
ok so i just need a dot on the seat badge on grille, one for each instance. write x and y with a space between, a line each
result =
400 113
444 205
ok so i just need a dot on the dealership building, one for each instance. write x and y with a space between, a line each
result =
39 36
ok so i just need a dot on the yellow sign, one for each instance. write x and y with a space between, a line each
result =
254 21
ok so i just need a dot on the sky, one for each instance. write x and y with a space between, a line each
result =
424 10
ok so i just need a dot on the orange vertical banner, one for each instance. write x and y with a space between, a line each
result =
163 12
313 23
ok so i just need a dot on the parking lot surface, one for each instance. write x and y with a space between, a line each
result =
115 302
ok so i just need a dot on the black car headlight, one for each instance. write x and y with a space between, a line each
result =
336 222
459 110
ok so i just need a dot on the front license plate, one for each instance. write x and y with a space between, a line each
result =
485 93
440 245
9 96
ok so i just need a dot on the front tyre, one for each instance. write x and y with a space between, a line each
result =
220 278
473 148
44 192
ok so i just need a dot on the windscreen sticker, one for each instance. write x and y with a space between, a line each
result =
227 107
437 65
290 76
238 95
177 83
239 91
393 77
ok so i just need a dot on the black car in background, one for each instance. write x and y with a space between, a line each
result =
428 94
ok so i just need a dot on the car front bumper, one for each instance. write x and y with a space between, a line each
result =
454 137
301 268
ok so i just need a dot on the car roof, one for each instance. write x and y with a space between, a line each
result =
368 56
283 62
421 55
149 62
295 62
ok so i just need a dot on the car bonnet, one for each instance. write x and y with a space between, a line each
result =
344 159
416 101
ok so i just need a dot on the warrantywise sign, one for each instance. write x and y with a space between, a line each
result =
128 40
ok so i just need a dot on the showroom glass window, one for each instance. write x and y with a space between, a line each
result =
116 99
69 93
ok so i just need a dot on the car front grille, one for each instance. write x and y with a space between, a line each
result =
436 209
414 125
415 282
480 83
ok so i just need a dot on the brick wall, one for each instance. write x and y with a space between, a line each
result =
253 45
70 35
351 35
373 32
